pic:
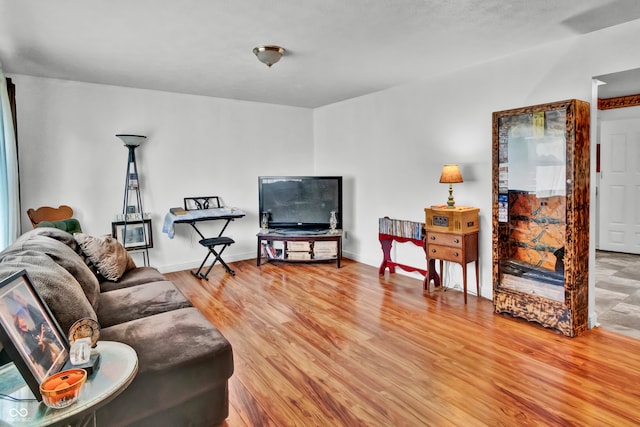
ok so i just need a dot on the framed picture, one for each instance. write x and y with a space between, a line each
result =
29 332
133 234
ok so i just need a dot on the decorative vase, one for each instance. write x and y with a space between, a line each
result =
333 222
264 222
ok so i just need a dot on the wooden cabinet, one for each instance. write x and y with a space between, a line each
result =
452 235
541 214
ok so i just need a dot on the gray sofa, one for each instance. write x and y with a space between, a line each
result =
184 361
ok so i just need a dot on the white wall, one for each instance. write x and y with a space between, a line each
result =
393 144
619 113
195 146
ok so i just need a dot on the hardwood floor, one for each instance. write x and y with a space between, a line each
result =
319 346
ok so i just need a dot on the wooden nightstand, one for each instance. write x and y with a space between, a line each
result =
451 235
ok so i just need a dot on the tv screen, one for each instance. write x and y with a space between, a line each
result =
303 202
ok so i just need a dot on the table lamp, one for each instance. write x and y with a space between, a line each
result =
450 175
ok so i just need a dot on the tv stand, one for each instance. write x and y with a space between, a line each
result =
300 246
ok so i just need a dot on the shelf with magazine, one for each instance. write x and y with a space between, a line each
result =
392 230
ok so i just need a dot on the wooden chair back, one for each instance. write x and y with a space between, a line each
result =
47 213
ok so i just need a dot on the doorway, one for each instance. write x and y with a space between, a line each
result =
616 285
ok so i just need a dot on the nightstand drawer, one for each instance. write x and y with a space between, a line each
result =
445 253
445 239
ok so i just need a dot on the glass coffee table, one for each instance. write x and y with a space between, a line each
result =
18 407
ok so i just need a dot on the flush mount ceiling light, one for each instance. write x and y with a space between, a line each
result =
269 54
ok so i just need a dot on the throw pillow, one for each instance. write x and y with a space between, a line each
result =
106 254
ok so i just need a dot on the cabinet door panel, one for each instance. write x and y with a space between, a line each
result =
533 158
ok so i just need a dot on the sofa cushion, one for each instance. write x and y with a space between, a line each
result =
106 254
136 302
185 353
186 336
134 277
56 286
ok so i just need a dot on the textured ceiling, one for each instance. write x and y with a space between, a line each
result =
336 49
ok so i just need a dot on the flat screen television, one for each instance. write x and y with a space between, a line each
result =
300 202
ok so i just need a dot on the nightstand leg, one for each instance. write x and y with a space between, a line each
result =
464 281
477 280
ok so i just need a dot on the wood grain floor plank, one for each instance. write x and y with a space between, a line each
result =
317 346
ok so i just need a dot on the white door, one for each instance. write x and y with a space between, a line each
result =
620 186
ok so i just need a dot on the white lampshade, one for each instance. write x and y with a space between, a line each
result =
269 54
132 140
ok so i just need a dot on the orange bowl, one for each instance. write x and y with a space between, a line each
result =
62 389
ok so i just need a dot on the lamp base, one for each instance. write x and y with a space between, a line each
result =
450 202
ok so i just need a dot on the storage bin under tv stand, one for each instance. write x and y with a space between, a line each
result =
292 236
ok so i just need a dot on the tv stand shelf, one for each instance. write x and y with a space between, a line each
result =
302 247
